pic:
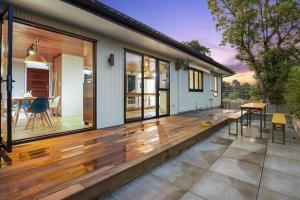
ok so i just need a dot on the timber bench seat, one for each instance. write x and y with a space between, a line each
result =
235 117
278 123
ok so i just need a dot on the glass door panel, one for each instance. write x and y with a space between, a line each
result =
163 75
149 87
163 102
164 88
133 80
6 78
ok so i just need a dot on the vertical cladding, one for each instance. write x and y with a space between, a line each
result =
110 84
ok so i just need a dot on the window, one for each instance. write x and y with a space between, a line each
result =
195 80
215 86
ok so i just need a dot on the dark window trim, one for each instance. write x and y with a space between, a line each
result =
189 86
58 134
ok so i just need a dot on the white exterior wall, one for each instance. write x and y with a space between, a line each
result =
110 79
195 100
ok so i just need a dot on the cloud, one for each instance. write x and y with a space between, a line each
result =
242 77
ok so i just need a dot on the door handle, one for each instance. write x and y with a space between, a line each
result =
9 82
4 80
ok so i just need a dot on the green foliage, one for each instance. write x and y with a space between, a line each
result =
275 75
237 92
233 95
265 34
293 91
245 91
196 46
254 94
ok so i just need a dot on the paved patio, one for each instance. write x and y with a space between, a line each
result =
224 167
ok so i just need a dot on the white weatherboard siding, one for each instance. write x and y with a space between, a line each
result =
192 100
196 100
174 96
110 84
72 85
110 79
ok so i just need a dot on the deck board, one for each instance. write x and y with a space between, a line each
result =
65 166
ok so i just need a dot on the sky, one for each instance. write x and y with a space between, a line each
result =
185 20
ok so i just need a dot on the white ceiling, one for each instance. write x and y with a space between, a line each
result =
68 13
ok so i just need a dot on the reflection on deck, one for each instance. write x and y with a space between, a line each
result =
76 163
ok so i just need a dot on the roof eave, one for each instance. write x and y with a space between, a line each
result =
99 9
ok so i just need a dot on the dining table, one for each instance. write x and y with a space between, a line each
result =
249 107
19 101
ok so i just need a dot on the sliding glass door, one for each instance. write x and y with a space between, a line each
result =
47 82
164 88
146 87
149 82
6 78
133 79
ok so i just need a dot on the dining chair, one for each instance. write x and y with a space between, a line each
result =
39 109
54 107
24 106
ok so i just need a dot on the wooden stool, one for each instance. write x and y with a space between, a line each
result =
278 123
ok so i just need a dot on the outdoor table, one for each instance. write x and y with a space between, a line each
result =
261 107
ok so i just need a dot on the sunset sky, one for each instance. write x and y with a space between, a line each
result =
184 20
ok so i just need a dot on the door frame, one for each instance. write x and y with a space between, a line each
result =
59 31
9 12
27 78
157 89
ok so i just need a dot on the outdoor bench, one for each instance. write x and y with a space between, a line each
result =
235 117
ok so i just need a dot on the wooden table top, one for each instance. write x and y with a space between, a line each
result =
66 165
254 105
27 98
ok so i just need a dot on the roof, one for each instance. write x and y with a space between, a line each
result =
104 11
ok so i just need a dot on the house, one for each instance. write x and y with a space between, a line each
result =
76 65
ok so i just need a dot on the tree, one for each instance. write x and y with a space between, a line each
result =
196 46
266 35
236 85
293 91
245 91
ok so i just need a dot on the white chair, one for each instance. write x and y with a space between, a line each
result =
54 107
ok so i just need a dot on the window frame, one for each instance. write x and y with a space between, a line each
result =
200 74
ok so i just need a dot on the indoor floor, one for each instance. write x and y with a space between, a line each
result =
60 124
148 113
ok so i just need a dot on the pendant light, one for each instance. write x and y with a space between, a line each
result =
34 59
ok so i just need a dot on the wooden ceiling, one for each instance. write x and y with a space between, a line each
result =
51 44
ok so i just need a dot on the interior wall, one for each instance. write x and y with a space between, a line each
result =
72 85
18 74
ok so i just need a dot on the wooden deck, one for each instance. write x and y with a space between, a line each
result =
89 164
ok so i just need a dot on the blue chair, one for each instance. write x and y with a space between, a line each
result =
24 106
39 107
